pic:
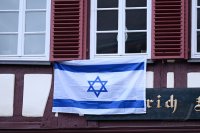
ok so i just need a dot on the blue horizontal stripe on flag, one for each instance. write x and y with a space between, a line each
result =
98 104
100 68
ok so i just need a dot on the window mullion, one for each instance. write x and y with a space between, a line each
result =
194 28
148 23
93 28
121 27
21 29
47 31
23 26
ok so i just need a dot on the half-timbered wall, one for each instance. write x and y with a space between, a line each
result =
49 121
21 114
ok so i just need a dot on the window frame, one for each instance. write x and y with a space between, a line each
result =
20 56
194 53
121 21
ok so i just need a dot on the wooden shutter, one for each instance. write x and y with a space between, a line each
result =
68 29
170 28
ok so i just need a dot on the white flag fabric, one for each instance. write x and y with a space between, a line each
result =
100 86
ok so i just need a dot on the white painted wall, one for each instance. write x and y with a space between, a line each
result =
36 93
170 80
150 79
7 83
193 79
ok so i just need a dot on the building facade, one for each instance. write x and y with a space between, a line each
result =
36 33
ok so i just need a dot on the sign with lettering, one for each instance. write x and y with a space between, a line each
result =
164 104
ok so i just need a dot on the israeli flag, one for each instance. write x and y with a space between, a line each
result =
100 86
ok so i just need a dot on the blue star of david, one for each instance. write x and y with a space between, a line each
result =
97 81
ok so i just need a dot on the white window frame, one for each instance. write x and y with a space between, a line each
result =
121 21
21 33
194 53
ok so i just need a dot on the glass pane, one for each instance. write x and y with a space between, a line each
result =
9 5
107 20
8 44
34 44
107 43
198 18
136 3
198 2
33 26
136 43
107 3
198 41
8 21
136 19
35 4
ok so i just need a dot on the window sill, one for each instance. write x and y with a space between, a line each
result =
193 60
149 61
25 62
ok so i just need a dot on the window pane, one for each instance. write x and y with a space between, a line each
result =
8 21
8 44
36 4
34 44
136 19
38 25
136 3
198 2
107 43
198 41
136 43
107 20
107 3
198 18
9 5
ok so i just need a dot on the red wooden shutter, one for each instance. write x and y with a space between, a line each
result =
170 24
68 29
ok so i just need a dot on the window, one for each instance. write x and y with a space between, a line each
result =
120 28
195 29
24 30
